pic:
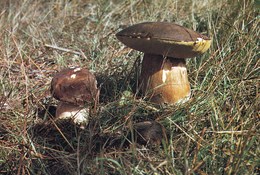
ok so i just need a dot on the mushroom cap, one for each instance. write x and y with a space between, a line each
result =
164 38
150 132
74 85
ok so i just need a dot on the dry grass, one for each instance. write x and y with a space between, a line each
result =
216 132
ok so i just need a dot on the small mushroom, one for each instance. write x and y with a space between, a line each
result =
165 45
149 133
76 89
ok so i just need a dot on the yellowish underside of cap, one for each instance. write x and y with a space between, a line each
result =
199 46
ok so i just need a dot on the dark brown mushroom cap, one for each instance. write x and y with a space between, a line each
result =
149 132
163 38
74 85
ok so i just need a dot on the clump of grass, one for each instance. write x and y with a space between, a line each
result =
216 132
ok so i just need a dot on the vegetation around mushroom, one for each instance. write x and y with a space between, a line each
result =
215 132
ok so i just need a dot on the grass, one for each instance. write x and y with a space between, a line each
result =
216 132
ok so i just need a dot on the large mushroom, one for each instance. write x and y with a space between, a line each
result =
165 45
76 89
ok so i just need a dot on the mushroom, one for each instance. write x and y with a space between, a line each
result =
165 45
149 133
75 88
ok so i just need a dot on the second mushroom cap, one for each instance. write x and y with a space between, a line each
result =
74 85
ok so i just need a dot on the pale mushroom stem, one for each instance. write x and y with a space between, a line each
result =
164 79
78 114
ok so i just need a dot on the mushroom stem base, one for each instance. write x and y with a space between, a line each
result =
164 79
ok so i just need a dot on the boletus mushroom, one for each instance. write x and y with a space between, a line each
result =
76 89
165 45
149 133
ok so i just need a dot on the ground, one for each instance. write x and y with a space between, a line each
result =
215 132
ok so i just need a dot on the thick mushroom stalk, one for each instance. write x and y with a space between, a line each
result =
165 80
77 114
